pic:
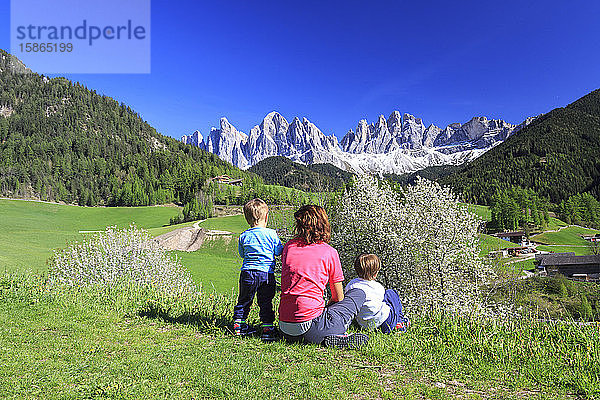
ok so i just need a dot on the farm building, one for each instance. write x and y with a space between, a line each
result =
226 179
569 265
515 237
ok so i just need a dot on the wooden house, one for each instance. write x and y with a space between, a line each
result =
514 237
569 265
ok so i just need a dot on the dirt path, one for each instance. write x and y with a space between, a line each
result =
197 224
189 238
563 245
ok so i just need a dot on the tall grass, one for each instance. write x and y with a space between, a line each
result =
561 357
511 353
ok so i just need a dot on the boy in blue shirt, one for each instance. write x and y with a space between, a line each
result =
258 246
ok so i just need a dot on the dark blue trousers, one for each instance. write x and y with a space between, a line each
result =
260 284
336 318
392 299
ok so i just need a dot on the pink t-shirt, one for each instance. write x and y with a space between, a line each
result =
305 271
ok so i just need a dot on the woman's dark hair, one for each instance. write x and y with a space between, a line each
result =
312 224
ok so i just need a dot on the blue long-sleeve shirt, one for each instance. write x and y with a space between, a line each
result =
259 247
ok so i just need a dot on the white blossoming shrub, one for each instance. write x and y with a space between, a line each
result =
116 257
426 239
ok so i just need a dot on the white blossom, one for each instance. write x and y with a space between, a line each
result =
120 256
426 239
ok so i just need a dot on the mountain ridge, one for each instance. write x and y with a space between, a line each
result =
399 144
558 155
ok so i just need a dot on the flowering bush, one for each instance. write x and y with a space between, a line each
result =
426 239
120 257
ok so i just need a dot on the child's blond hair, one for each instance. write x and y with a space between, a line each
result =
367 266
255 211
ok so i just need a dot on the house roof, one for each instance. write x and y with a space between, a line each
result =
510 234
566 259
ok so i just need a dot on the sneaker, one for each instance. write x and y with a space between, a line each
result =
402 326
242 329
346 341
269 333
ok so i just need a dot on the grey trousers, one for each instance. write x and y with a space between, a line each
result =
334 320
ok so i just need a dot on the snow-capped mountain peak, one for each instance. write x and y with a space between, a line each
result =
398 144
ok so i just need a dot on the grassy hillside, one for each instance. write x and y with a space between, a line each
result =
566 240
482 212
30 230
566 236
556 224
557 155
217 263
491 243
72 346
235 223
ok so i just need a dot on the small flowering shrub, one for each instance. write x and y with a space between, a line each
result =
120 258
426 239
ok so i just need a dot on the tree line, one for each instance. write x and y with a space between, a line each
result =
518 208
580 209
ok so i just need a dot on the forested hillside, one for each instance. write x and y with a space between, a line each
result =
60 141
315 178
557 156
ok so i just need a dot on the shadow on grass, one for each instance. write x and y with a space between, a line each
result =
204 322
200 319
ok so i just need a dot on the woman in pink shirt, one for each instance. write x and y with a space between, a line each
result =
309 263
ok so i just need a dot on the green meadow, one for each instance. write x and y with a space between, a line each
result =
489 243
567 236
29 230
120 345
217 263
566 240
124 346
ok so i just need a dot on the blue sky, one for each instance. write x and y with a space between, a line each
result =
336 62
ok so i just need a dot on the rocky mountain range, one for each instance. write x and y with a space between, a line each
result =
399 144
